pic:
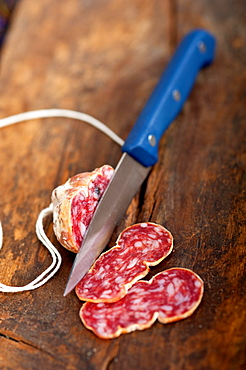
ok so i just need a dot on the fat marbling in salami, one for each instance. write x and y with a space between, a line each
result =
138 247
74 204
169 296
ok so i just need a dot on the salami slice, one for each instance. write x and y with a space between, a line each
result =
74 204
138 247
170 296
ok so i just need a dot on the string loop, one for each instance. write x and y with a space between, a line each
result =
56 257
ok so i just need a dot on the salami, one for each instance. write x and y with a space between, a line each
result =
138 247
74 204
169 296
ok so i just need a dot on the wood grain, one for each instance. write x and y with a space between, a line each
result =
104 58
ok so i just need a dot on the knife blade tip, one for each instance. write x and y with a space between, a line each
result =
67 291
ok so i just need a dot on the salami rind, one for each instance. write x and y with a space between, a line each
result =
171 295
74 204
138 247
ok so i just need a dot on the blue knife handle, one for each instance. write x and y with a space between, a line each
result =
196 50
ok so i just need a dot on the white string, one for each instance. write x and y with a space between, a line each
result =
1 235
56 257
64 113
51 270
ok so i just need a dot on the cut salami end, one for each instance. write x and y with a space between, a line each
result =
169 296
74 204
138 247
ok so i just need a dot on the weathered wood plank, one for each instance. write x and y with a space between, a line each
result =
104 58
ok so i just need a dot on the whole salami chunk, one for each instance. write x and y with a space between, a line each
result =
74 204
169 296
138 247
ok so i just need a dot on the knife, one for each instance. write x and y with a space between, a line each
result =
140 150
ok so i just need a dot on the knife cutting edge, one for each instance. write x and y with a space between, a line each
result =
140 150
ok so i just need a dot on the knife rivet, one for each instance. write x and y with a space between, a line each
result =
176 95
202 47
152 140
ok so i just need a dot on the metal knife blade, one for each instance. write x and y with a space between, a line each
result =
140 150
128 177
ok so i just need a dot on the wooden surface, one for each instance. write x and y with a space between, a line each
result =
104 58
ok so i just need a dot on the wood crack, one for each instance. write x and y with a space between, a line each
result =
10 338
173 25
141 199
112 357
25 343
